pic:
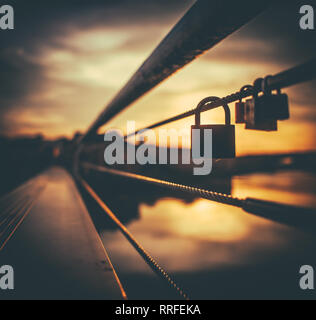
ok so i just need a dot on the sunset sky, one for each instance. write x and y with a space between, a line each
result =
66 59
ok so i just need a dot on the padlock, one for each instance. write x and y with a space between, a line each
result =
255 119
240 112
273 106
223 135
240 107
276 105
262 112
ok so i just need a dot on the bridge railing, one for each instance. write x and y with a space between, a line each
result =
202 27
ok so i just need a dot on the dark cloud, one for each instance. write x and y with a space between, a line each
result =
19 76
41 23
37 20
272 37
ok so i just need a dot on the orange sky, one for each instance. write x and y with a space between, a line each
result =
90 65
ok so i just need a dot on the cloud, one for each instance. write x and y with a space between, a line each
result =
74 43
69 58
274 37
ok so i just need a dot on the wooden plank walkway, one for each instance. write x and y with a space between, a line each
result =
48 237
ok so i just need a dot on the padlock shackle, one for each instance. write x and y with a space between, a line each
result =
257 86
244 88
202 104
264 85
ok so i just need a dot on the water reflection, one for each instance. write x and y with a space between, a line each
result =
290 187
199 242
196 236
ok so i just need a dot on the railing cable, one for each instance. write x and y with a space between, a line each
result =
144 254
201 28
302 73
295 216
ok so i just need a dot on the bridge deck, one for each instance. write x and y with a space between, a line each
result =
48 237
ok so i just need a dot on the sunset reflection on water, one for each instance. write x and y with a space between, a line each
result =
204 234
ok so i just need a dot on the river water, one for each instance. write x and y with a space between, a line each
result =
215 251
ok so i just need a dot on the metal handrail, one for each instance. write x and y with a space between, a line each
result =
295 75
201 28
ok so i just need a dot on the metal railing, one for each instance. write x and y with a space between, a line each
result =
295 75
202 27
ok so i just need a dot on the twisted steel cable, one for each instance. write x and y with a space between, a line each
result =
294 216
206 106
301 73
207 194
139 248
